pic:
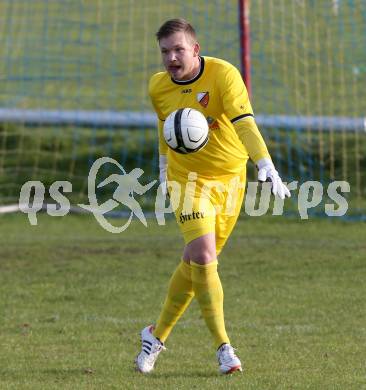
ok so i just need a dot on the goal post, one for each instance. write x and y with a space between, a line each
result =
244 35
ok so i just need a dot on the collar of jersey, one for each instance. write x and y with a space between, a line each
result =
185 82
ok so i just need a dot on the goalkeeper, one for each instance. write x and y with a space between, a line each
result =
215 88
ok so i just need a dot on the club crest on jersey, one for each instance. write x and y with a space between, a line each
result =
203 98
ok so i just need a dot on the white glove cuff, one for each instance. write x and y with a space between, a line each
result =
163 162
265 163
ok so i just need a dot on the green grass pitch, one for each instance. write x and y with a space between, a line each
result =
74 298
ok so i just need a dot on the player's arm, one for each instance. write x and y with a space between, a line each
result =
250 136
163 148
163 159
238 109
252 139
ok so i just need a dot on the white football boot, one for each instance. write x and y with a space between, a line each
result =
228 361
150 349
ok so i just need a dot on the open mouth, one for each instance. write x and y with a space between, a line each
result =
174 68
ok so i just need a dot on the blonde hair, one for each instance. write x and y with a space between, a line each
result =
176 25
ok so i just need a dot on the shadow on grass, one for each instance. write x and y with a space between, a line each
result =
54 372
67 371
181 374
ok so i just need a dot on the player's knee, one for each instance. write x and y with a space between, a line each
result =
203 257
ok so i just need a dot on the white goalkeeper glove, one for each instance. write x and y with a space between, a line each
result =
163 165
267 172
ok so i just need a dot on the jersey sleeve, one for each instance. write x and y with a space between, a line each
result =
234 95
239 111
163 147
251 138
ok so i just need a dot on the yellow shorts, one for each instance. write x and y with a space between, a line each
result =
202 205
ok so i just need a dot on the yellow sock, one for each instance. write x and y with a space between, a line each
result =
180 294
208 291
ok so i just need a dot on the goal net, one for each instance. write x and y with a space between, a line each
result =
74 78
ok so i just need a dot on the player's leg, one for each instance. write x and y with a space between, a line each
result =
180 290
207 285
198 228
193 221
209 293
225 222
180 294
196 222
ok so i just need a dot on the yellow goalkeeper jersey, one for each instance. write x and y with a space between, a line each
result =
219 93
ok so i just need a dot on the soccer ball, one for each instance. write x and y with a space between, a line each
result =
186 130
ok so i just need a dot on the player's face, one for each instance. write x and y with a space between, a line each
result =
180 56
